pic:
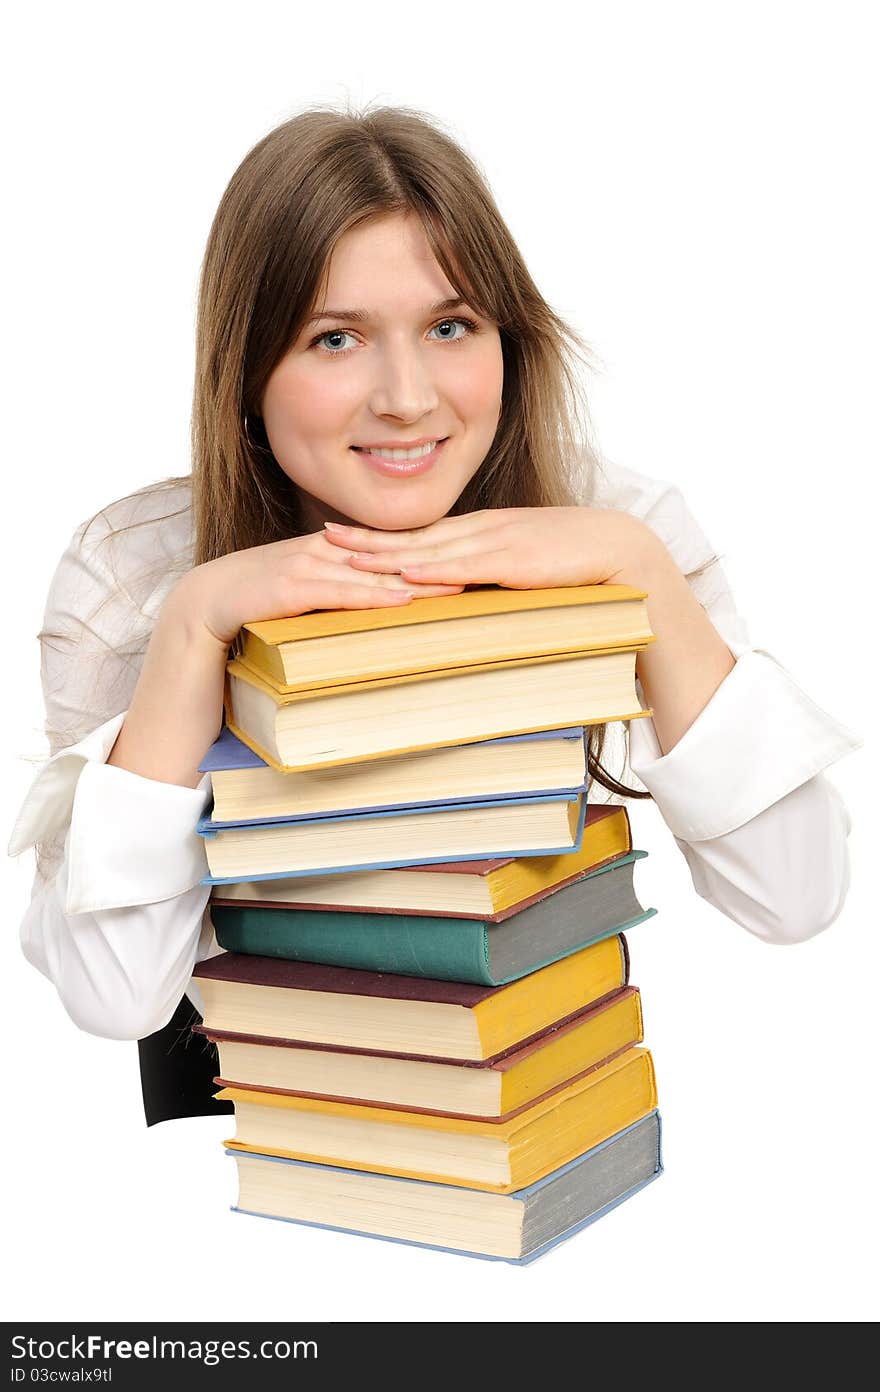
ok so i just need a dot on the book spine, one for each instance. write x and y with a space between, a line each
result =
440 948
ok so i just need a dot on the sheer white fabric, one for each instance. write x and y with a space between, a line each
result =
118 916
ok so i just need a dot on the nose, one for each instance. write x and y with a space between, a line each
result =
404 387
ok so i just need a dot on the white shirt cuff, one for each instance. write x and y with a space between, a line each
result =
131 840
49 801
758 738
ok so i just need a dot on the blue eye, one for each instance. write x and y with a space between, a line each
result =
333 333
468 324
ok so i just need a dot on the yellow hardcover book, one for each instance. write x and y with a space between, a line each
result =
313 1003
499 1156
479 625
516 1227
396 715
494 1089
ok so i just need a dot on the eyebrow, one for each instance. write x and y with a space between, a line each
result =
361 316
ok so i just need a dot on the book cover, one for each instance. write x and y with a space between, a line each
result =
311 650
499 1088
377 718
517 1228
208 826
345 1007
500 1156
229 752
339 689
399 831
491 890
599 903
246 788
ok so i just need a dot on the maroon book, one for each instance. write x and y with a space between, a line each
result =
245 995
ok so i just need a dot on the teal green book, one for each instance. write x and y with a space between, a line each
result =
595 906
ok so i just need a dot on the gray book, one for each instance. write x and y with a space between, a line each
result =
598 904
516 1228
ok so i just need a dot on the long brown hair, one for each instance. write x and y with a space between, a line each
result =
296 192
300 189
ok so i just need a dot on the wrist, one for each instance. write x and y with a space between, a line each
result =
176 710
644 561
182 615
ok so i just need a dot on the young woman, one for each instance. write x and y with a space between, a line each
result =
360 295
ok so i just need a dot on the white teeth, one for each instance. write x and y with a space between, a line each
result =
417 453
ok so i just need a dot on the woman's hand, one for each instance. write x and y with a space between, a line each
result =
283 579
187 654
540 548
520 548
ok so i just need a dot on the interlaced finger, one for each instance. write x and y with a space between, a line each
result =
475 567
341 573
447 528
393 562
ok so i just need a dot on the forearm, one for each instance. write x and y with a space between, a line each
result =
689 660
177 707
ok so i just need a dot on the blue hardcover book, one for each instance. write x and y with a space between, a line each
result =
529 825
516 1228
247 789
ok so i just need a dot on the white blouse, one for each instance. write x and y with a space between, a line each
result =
118 914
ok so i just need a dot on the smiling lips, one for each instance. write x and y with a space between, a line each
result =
401 467
380 445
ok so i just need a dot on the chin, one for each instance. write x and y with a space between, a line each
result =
405 514
407 519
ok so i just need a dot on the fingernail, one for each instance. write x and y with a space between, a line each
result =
335 527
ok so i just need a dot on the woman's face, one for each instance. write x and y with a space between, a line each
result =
405 372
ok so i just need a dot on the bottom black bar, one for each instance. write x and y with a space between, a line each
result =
128 1356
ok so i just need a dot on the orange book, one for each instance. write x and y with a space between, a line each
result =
486 623
496 1088
445 671
395 715
500 1156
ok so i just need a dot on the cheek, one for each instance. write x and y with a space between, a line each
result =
306 403
324 398
479 393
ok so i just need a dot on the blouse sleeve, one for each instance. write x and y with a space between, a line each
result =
117 917
744 793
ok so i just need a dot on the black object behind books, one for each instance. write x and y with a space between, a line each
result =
178 1070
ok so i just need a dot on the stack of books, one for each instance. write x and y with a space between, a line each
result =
423 1010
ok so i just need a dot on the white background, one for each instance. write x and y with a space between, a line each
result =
694 187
